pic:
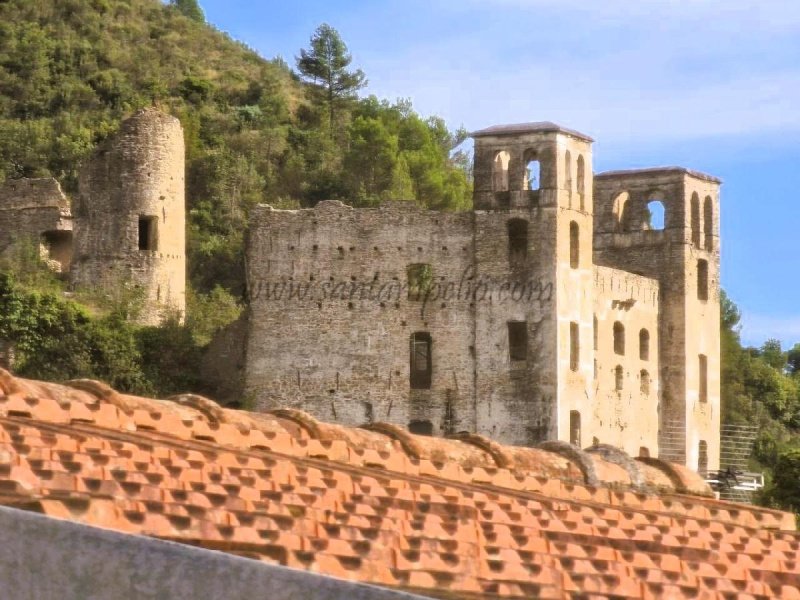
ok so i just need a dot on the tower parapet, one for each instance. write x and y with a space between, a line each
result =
130 215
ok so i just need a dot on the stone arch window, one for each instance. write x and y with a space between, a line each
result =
702 280
419 427
517 241
581 177
575 428
657 215
644 382
618 210
568 171
644 344
574 245
708 223
619 338
421 366
500 171
702 364
532 175
702 458
574 346
695 218
619 378
517 341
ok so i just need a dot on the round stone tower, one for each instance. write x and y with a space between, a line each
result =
130 216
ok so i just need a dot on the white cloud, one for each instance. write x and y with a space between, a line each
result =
662 70
757 328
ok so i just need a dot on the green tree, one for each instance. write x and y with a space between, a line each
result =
190 8
325 65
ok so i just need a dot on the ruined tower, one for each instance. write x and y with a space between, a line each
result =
533 234
664 223
130 215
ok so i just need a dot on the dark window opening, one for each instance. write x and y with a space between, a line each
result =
421 364
421 427
644 345
574 245
695 209
517 242
644 452
595 333
581 179
657 215
574 346
702 280
702 457
708 223
619 378
644 382
703 367
619 338
57 247
148 233
518 340
420 278
575 428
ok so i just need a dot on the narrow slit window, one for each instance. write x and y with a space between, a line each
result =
421 364
702 457
581 177
568 171
518 340
703 373
619 378
702 279
148 233
595 333
575 428
517 242
574 245
695 209
708 223
619 338
644 382
574 346
644 345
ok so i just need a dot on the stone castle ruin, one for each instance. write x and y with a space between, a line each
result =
558 309
127 225
561 308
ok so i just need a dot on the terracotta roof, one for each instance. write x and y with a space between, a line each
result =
536 127
445 518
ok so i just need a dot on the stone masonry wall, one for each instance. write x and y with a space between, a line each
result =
331 319
36 211
136 175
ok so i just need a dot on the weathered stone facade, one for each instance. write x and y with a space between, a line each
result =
36 211
556 310
129 218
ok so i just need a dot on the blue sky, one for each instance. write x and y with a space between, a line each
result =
706 84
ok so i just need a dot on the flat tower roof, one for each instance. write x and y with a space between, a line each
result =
535 127
658 171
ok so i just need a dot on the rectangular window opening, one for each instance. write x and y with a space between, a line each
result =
148 233
703 366
518 340
420 361
574 346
